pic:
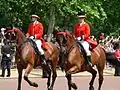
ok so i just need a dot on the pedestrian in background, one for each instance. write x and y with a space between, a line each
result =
117 56
6 58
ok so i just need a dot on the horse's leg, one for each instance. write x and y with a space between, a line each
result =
20 69
27 72
68 76
48 81
100 79
93 72
100 71
53 77
72 70
49 77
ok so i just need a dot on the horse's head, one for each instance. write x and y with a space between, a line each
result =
15 35
11 35
63 39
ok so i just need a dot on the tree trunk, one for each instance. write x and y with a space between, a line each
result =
51 23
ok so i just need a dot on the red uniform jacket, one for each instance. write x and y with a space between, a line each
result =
84 29
117 55
102 37
37 31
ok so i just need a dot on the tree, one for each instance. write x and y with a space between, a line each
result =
102 15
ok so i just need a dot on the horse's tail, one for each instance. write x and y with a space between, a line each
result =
110 58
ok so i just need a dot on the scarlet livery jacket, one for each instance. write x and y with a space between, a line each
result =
37 31
84 29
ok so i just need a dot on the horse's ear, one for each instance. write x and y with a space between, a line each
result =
68 35
15 30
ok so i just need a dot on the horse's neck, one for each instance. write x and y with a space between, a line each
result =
21 38
70 43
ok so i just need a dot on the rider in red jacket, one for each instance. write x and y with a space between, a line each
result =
82 33
35 31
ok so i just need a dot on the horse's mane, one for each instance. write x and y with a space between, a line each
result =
65 33
69 35
19 31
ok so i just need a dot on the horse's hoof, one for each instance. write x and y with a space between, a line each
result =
35 84
18 89
99 88
50 88
91 88
73 85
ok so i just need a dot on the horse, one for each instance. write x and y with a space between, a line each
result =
26 58
74 61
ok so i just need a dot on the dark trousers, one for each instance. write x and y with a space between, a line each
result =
6 65
117 68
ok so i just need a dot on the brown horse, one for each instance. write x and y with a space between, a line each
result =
74 61
26 58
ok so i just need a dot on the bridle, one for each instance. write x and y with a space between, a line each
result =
19 45
65 44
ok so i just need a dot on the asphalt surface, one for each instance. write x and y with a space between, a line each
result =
110 83
38 73
81 79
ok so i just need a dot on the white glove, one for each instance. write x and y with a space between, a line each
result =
32 37
79 38
27 36
8 55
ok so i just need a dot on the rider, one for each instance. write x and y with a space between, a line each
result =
35 31
82 33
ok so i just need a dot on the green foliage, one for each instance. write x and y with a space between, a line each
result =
102 15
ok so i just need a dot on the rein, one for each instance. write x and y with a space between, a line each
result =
72 45
76 43
70 49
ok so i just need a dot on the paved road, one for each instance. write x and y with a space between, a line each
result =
38 73
110 83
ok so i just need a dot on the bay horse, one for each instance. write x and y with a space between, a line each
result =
26 58
74 61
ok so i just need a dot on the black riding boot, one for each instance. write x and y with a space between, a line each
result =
43 60
89 61
44 63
